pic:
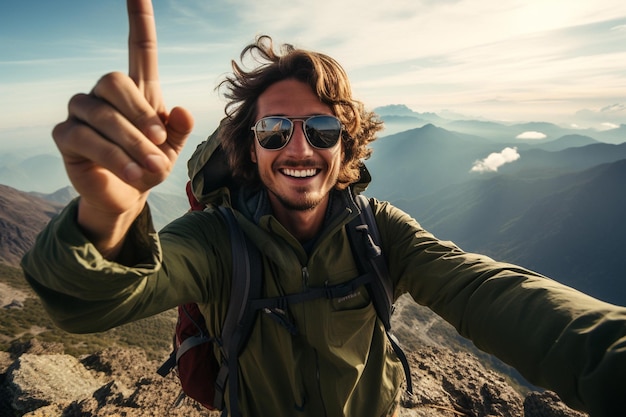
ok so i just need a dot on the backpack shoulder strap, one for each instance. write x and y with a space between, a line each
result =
246 285
370 257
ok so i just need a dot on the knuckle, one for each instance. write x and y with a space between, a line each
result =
142 117
59 131
67 135
77 101
112 81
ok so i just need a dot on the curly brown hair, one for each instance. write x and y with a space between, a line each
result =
325 76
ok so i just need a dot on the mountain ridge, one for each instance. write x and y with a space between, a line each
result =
520 219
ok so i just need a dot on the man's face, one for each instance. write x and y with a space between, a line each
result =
298 176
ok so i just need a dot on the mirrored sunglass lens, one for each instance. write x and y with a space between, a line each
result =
323 131
273 132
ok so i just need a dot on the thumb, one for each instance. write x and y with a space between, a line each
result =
179 125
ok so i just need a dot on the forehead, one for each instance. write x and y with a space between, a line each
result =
290 98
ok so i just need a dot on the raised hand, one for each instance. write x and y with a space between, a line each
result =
119 141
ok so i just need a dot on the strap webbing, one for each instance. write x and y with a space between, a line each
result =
239 319
381 288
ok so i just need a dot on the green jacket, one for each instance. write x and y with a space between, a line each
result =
340 363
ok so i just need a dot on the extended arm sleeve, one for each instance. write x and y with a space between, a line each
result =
557 337
83 292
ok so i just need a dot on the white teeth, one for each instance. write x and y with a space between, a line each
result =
299 173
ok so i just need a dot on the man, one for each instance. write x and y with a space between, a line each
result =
294 137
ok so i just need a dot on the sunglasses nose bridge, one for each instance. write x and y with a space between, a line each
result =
298 133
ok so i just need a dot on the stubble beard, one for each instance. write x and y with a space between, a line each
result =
306 203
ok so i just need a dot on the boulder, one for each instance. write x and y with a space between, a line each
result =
34 381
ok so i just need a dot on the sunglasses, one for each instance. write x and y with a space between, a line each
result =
275 132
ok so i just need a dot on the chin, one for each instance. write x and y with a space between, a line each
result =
301 203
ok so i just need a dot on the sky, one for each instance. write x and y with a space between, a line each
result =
560 61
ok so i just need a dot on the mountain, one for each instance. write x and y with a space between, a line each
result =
22 216
567 160
39 173
399 118
430 158
61 196
567 141
616 135
569 226
167 207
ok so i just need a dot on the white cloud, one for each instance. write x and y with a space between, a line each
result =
608 126
531 134
496 160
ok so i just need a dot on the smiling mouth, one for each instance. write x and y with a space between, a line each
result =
300 173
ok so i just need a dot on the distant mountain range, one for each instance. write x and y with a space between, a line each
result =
399 118
570 226
556 207
433 158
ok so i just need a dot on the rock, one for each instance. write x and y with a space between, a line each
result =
36 347
123 382
5 361
453 382
54 410
14 304
547 404
40 380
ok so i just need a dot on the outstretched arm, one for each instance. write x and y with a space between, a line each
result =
119 140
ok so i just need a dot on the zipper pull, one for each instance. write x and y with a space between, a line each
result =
305 278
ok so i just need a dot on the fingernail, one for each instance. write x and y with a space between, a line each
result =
132 171
157 134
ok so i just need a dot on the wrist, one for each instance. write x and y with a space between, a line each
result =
105 229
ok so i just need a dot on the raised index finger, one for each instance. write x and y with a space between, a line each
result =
143 65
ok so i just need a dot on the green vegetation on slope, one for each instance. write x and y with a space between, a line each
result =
153 334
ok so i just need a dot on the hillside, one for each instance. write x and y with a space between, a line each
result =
22 216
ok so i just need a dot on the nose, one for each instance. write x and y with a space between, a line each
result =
298 145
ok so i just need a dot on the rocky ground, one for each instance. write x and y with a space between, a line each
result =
39 380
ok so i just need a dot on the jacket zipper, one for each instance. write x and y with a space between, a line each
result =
305 284
319 382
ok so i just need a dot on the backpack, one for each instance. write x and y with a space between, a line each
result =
202 377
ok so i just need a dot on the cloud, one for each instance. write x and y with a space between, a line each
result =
496 160
531 134
608 126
